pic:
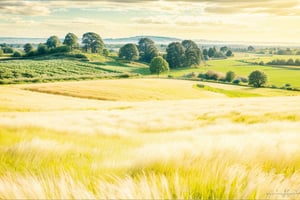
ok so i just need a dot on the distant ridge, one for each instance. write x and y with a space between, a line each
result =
158 40
135 39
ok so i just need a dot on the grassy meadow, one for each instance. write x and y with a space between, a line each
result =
61 141
242 65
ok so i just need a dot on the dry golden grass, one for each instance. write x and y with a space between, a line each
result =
127 89
62 147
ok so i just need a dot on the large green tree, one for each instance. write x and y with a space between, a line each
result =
92 42
147 49
53 42
27 48
212 52
257 78
71 40
129 52
158 65
175 55
192 53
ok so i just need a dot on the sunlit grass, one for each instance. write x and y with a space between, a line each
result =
205 148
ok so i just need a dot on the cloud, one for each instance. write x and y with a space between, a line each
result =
271 7
30 8
45 7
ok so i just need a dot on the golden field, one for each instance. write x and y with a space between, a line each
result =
170 140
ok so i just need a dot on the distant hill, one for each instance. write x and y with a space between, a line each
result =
158 40
135 39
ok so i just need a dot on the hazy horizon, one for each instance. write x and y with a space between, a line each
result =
225 20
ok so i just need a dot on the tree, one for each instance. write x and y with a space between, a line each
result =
129 52
93 42
1 52
71 40
158 65
229 53
147 50
17 54
290 62
8 49
175 55
105 52
205 54
42 49
251 48
192 53
27 48
230 75
257 78
212 52
53 42
224 49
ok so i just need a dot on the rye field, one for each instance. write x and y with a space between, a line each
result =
110 139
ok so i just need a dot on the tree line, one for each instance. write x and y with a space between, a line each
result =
178 54
91 43
184 54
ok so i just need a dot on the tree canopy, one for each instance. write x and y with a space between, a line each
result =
129 52
147 49
27 48
93 42
229 53
230 75
71 40
158 65
251 48
42 49
192 53
53 42
212 52
175 55
257 78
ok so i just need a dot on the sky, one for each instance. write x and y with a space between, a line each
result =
226 20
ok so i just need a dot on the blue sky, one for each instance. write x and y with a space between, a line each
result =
240 20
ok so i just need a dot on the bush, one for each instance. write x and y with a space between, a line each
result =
230 75
191 75
60 49
42 49
274 86
261 63
287 85
1 52
244 79
201 75
17 54
257 78
158 65
236 81
8 49
211 75
31 54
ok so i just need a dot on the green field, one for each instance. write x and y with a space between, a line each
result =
49 69
54 69
277 75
